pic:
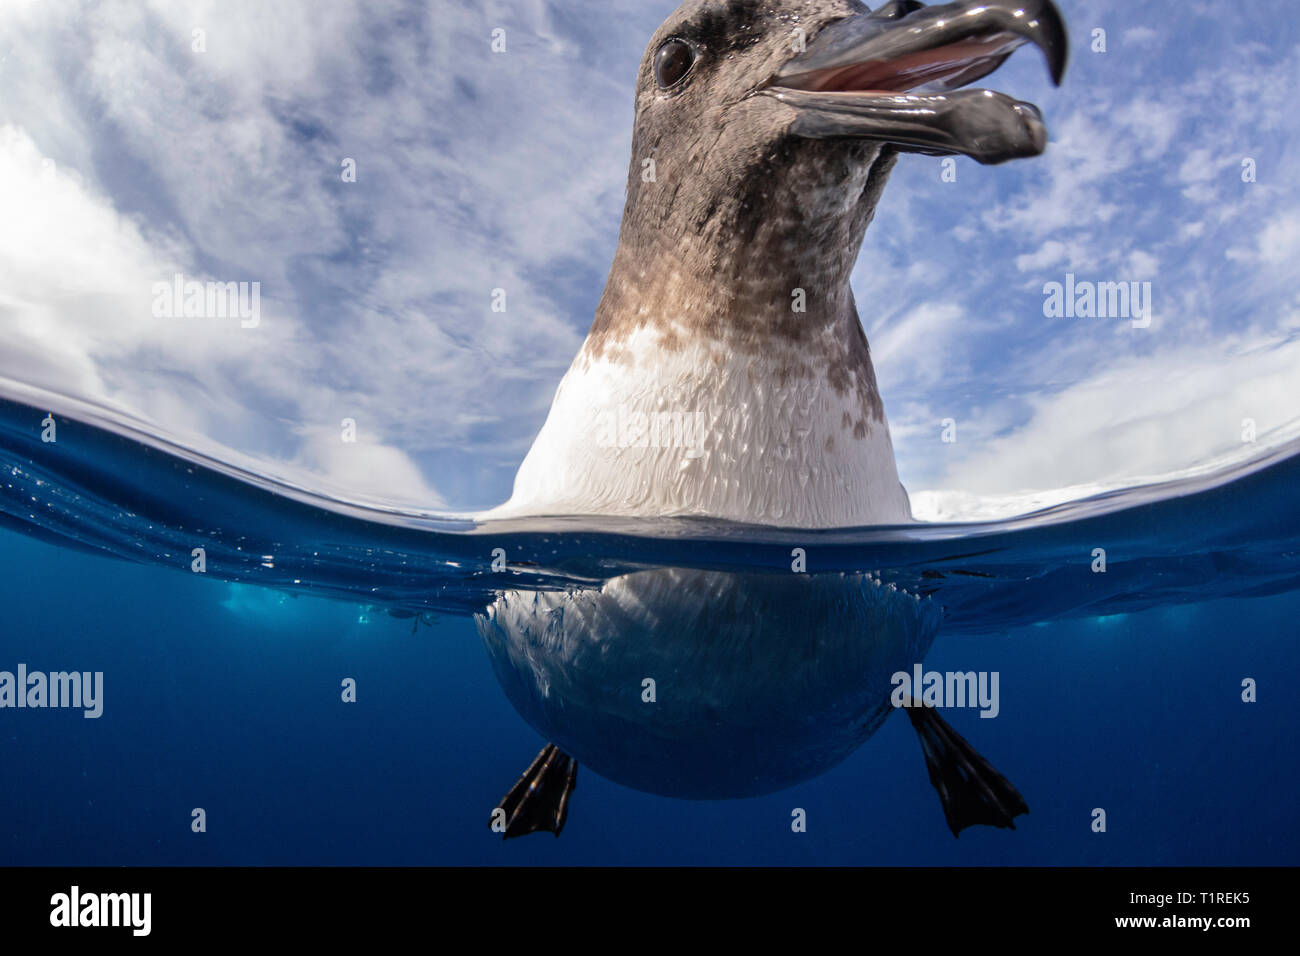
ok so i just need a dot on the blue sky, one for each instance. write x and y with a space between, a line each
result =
126 157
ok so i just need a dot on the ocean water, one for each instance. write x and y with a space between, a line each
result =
1120 691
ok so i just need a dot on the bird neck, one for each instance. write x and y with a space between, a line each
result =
710 293
737 313
758 262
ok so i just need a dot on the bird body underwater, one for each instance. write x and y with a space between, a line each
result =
726 374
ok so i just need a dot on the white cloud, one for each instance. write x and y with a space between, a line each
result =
1143 265
78 319
1049 254
343 468
1140 419
923 344
1279 243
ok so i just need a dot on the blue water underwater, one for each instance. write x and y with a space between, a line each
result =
1120 691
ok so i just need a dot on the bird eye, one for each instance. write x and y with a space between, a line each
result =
898 8
673 62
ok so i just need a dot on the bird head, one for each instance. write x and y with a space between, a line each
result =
766 126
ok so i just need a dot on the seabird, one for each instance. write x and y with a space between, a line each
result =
726 374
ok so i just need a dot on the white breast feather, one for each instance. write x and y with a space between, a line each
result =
649 430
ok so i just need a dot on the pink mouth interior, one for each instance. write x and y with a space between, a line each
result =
974 56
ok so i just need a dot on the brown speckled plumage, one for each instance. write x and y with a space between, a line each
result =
741 221
740 214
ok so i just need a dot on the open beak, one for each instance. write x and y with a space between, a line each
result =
891 76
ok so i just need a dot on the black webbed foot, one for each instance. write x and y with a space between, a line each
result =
540 800
969 787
